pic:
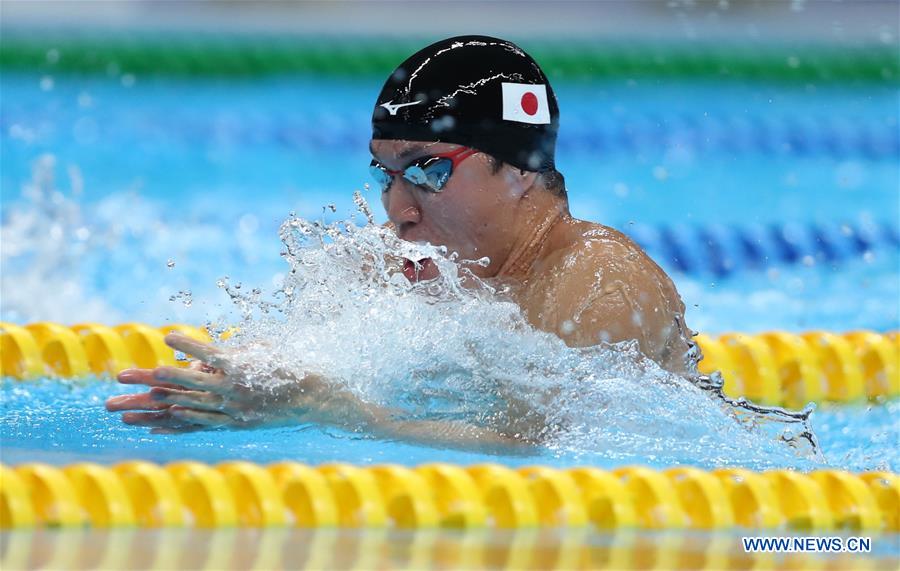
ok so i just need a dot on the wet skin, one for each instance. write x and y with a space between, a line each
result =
213 392
587 283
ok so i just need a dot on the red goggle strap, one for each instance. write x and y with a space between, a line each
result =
455 157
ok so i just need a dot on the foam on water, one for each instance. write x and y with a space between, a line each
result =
455 348
43 243
68 260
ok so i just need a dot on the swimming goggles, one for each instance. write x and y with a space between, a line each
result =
430 172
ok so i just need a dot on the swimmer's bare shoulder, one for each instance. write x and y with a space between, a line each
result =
593 284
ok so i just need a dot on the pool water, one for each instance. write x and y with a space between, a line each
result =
201 173
857 438
138 195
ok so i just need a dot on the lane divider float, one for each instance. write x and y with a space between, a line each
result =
774 368
788 369
588 133
373 548
338 495
723 251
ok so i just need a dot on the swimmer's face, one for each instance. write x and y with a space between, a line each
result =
470 215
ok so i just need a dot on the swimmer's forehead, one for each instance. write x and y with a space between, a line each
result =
390 151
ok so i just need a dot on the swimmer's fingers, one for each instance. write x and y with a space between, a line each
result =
190 379
182 430
160 422
202 418
143 377
200 400
142 401
161 419
203 367
200 350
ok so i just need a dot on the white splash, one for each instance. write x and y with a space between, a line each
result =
456 348
44 242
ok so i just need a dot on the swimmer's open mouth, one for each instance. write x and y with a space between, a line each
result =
424 269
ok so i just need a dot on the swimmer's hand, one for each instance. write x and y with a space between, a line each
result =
214 393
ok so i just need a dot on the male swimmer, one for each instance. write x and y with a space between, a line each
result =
463 143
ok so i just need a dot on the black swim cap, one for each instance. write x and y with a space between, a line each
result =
481 92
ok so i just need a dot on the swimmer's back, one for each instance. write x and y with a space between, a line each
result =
593 284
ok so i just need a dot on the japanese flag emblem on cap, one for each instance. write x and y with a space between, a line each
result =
525 103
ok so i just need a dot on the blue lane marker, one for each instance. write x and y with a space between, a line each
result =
675 254
719 264
729 243
785 250
585 131
722 251
890 234
824 245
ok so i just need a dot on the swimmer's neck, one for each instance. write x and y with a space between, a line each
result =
539 213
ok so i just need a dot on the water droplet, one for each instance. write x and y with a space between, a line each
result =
186 297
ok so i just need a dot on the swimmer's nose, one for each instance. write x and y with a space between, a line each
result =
401 206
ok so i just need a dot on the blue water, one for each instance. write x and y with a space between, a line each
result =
860 437
164 186
202 172
646 150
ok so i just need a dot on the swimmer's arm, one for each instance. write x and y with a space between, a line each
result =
185 400
214 393
451 434
384 423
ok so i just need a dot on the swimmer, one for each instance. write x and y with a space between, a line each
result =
463 145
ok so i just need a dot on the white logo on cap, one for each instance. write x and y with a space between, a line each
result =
392 109
525 103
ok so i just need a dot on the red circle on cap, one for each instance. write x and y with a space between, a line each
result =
529 103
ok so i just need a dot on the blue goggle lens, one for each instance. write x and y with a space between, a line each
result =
432 175
381 176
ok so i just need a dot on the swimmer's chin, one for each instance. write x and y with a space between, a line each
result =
421 270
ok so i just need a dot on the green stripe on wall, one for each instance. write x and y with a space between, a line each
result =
248 56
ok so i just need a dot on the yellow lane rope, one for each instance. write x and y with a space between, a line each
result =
776 368
484 496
